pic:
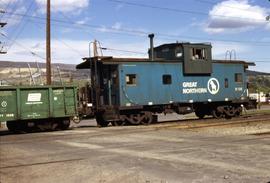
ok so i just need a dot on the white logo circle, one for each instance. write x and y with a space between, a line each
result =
4 104
213 86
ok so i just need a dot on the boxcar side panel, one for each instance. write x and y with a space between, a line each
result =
37 102
34 103
8 105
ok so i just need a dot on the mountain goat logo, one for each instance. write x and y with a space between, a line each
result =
213 86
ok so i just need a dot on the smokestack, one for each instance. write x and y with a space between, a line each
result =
151 54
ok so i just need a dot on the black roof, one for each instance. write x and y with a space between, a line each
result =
115 60
180 44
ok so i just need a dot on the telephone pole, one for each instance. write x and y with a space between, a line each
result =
48 44
95 48
2 24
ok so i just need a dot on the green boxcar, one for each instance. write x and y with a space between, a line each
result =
37 104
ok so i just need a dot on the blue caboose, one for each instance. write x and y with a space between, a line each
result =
177 77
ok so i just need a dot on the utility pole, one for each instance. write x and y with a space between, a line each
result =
2 24
48 44
95 48
268 17
1 49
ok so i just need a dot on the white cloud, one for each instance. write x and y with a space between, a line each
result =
137 49
219 49
64 5
268 26
67 54
69 51
84 20
70 54
114 28
235 16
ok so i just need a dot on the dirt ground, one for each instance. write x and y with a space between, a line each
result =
139 154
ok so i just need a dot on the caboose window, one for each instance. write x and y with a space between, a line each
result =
198 54
238 77
167 79
178 52
226 83
131 79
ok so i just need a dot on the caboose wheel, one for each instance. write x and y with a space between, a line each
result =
148 118
101 122
238 111
135 119
229 112
200 114
216 114
118 123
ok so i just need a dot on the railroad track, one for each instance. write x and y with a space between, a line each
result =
173 124
211 122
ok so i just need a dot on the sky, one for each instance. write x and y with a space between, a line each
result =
122 26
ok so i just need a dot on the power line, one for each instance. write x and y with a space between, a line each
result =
29 50
25 48
181 10
12 9
264 61
2 11
144 33
23 25
120 50
104 48
64 43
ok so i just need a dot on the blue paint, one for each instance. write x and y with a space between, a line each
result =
150 89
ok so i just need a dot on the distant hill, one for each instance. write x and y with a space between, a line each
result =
3 64
11 74
257 73
72 67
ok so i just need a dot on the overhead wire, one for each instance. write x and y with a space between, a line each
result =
33 53
64 43
6 8
132 31
181 10
12 10
139 32
24 22
121 50
22 46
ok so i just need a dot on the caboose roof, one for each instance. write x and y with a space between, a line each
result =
172 45
115 60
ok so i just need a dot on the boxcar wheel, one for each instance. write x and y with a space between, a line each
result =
13 126
64 124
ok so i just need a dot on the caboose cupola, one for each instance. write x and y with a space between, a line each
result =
197 57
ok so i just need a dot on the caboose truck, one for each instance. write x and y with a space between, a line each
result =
177 77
